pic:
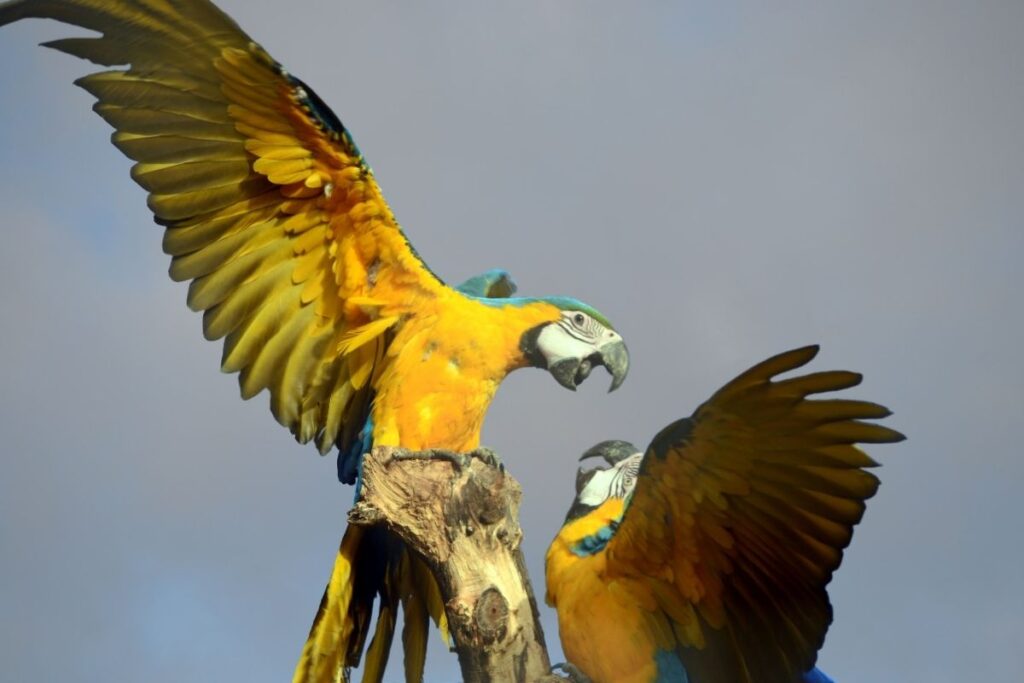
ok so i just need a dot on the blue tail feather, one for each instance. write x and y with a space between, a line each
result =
816 676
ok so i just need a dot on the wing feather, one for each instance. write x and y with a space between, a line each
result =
746 507
268 206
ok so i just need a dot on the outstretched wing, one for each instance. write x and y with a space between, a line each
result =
740 515
269 207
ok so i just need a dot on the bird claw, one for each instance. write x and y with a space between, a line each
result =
572 672
488 457
460 461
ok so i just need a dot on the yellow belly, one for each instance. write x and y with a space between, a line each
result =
440 402
609 627
607 639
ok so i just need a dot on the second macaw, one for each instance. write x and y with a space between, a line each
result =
705 558
298 263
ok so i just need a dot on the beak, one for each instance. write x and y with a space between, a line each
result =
613 355
612 452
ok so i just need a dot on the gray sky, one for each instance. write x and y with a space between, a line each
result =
721 180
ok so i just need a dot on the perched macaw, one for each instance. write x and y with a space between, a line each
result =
299 264
705 559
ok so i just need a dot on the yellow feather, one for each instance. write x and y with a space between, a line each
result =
174 207
271 167
191 176
312 290
171 149
278 139
336 405
310 239
249 261
274 124
279 152
262 100
367 302
309 264
356 338
246 67
360 365
323 655
153 122
288 177
226 316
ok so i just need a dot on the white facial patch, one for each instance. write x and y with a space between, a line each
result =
614 482
556 344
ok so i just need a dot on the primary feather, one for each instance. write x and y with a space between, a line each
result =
299 265
268 205
717 559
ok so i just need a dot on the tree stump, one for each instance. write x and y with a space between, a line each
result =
462 518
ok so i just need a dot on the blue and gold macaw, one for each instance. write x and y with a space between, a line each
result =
300 266
705 559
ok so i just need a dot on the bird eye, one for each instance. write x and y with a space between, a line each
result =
578 318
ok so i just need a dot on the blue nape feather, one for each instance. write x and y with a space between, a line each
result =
494 284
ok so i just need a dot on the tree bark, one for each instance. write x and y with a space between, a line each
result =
462 519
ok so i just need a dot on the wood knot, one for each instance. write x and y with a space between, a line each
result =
490 616
485 497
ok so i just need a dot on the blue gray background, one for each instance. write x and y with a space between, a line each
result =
724 181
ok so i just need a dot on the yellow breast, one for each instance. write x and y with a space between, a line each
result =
445 369
604 621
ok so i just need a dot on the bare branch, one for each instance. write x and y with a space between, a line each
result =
460 514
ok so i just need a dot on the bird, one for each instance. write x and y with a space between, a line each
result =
298 263
705 558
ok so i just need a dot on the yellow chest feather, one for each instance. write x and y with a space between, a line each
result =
437 387
605 622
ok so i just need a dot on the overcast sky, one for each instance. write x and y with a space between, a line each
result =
723 181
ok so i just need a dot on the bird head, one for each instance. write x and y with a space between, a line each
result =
617 480
573 343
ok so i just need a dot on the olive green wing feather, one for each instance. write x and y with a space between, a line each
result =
740 516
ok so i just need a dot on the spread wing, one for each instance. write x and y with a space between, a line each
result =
269 208
740 515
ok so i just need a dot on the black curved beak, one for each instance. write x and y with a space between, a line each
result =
612 451
614 356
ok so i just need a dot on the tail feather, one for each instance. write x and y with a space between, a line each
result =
417 619
427 586
371 563
325 654
380 646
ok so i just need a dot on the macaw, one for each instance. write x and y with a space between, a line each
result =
705 558
300 266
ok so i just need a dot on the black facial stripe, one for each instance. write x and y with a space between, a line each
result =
528 345
574 332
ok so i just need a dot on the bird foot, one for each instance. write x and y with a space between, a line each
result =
460 461
572 672
488 457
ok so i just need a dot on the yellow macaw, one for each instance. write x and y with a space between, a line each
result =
298 263
705 559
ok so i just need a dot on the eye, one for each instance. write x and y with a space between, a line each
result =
579 319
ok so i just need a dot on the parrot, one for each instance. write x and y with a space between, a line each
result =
297 262
705 558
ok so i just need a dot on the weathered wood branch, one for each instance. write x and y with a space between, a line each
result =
462 518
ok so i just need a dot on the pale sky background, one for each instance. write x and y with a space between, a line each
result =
722 180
